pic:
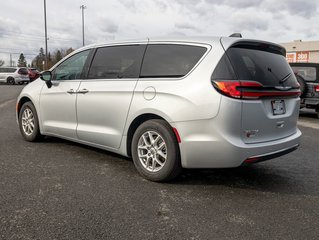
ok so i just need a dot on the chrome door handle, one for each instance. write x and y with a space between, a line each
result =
71 91
83 91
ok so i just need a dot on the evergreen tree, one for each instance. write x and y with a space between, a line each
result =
22 62
68 51
53 58
50 61
39 59
58 56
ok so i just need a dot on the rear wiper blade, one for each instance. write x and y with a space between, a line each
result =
285 78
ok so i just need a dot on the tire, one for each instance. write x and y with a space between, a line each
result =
317 111
155 151
10 80
303 85
29 123
20 83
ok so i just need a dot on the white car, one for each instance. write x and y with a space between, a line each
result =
13 75
170 103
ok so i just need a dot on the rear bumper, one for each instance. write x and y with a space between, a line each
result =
18 79
312 103
267 156
205 145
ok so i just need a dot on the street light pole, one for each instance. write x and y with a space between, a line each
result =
83 7
46 35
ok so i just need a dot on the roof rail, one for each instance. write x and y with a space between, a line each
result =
236 35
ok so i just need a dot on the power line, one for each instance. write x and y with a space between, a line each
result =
27 54
31 36
38 39
7 32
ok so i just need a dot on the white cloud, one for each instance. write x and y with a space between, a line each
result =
271 20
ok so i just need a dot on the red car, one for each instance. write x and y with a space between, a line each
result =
33 74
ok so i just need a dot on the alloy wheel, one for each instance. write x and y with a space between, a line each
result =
28 121
152 151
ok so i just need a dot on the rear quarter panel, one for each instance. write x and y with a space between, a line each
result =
189 98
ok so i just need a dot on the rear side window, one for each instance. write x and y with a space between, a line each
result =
307 73
117 62
170 60
8 70
23 71
263 65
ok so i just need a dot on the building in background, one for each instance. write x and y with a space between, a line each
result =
299 51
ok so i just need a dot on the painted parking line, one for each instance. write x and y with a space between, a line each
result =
6 103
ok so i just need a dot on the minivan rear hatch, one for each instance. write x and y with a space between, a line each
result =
267 87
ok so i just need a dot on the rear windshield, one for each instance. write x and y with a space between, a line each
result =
265 66
170 60
307 73
23 71
33 69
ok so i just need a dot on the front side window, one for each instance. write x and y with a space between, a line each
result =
71 68
170 60
307 73
117 62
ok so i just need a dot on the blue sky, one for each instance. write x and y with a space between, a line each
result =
22 22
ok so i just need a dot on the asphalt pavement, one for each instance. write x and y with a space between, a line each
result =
57 189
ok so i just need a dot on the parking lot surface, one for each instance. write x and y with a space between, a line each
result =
57 189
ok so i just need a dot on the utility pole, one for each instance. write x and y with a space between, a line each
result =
46 35
82 7
10 60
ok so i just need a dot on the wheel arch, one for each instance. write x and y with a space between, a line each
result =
135 124
22 101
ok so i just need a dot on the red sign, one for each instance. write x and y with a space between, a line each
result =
291 57
298 56
302 56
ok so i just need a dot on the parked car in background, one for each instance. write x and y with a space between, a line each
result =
170 103
13 75
307 75
33 74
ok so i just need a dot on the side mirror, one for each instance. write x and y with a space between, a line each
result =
46 76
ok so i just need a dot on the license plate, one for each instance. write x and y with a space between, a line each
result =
278 107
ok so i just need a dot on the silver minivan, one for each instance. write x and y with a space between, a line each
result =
216 102
13 75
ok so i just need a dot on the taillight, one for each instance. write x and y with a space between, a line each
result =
252 90
228 88
316 88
